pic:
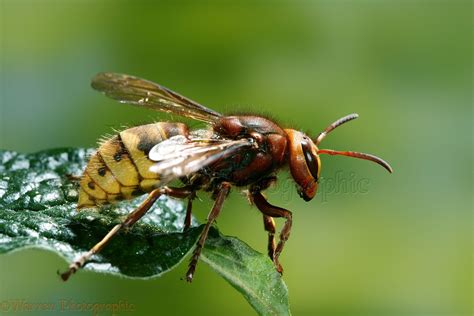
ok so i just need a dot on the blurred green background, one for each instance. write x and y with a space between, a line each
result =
401 245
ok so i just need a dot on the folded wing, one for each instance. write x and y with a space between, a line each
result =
179 156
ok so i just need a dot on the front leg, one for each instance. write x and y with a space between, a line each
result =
269 225
274 211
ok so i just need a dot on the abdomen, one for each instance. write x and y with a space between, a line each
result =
120 168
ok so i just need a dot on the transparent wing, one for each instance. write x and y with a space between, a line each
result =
144 93
179 156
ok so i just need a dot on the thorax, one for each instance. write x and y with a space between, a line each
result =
250 165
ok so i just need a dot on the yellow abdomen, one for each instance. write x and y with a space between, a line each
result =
120 168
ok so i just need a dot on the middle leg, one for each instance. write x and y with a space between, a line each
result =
216 209
189 211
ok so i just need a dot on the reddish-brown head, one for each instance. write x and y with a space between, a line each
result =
305 165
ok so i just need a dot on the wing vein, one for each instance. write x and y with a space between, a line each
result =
144 93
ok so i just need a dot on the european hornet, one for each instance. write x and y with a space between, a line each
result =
237 150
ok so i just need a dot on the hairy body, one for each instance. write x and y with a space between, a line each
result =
238 150
120 169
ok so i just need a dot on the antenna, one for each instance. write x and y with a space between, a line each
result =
355 154
337 123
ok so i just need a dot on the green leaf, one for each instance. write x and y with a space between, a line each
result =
37 202
38 209
249 271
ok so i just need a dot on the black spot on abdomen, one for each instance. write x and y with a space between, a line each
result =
146 144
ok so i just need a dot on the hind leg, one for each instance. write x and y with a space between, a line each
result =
131 219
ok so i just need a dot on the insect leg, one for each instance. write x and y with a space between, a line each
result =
221 195
127 223
275 211
187 220
269 225
73 178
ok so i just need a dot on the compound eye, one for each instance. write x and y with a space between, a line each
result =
312 161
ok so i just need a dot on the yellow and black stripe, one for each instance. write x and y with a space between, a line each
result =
119 169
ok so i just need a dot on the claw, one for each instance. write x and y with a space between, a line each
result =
189 277
278 267
65 275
